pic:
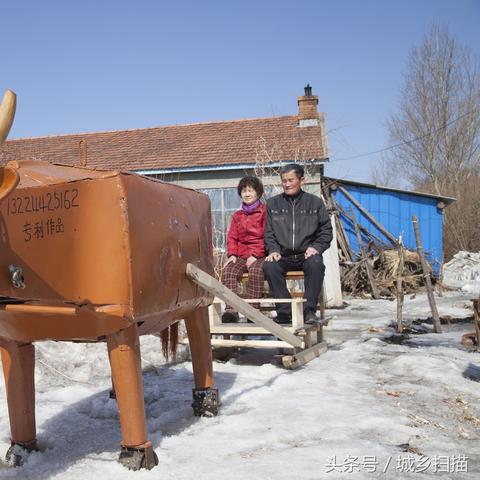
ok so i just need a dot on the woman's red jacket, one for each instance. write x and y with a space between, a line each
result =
245 235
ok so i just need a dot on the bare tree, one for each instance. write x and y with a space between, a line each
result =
268 152
436 131
386 173
462 224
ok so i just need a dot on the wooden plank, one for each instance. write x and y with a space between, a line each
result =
218 342
252 329
305 356
307 328
307 338
242 329
319 333
343 239
291 275
215 314
265 301
270 301
322 302
250 343
214 286
297 315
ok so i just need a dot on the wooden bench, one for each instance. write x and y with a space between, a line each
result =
292 276
310 334
238 334
303 342
265 304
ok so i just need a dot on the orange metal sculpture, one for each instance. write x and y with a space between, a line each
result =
92 255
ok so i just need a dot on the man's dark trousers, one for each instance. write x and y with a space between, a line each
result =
314 271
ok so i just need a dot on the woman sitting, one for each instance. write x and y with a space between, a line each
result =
245 247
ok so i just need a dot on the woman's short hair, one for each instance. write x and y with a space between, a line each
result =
250 181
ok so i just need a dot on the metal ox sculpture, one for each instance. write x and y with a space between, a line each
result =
92 255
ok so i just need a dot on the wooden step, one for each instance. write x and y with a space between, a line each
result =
242 329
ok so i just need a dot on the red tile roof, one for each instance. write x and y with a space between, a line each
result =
179 146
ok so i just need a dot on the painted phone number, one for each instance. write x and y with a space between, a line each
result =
46 202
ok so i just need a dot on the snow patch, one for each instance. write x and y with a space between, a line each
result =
463 272
364 398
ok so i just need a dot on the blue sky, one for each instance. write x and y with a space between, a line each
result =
107 65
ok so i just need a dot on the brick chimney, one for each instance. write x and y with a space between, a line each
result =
307 109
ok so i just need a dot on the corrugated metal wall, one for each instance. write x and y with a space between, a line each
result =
394 211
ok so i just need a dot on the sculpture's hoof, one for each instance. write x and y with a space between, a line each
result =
18 453
205 402
135 458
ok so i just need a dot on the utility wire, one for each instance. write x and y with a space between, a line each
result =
407 142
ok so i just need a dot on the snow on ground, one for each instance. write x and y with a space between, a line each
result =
463 271
367 408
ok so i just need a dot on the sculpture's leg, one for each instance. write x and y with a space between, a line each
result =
111 393
205 397
124 353
18 360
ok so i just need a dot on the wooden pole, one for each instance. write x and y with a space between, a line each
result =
363 254
362 229
439 284
400 288
426 275
369 216
476 320
342 240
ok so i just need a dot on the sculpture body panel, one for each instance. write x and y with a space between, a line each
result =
90 255
97 251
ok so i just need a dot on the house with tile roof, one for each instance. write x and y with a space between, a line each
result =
193 154
209 156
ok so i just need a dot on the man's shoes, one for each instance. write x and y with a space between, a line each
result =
230 316
310 318
283 318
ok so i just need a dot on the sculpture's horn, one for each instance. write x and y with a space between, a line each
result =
7 113
8 175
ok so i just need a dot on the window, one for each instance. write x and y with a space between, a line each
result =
225 202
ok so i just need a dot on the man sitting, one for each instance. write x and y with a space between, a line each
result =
297 232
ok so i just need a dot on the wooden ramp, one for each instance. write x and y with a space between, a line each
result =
305 341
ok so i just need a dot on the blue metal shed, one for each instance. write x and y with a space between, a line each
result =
393 209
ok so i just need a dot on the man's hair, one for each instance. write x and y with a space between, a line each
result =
253 182
298 169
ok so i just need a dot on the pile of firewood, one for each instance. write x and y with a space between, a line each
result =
375 268
385 269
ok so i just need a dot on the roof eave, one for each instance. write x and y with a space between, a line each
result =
231 166
447 200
